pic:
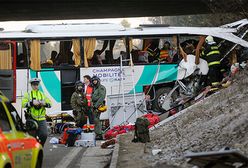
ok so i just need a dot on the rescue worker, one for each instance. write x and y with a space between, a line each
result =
78 104
98 99
211 54
88 90
36 103
164 53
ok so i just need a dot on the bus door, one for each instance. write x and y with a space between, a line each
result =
68 79
8 69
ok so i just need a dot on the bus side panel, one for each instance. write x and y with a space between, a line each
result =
51 86
110 77
155 74
167 73
143 75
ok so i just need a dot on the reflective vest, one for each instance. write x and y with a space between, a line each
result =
37 114
165 55
88 94
212 54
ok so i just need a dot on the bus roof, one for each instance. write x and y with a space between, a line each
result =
74 27
105 30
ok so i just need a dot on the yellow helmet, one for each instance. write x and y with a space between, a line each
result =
102 108
49 62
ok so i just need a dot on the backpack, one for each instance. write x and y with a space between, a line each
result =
141 130
71 140
72 137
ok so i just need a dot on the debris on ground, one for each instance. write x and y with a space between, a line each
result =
54 140
156 151
223 158
218 121
108 143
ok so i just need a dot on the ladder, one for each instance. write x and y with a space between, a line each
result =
124 75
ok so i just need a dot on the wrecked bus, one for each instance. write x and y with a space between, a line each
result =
62 54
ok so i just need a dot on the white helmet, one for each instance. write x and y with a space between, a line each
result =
209 39
35 80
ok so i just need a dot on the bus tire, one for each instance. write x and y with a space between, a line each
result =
160 95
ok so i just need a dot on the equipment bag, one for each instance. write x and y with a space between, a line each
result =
141 130
73 135
71 140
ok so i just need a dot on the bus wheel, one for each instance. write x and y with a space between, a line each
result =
161 97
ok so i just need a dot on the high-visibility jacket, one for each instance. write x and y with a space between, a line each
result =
88 94
211 54
38 114
165 55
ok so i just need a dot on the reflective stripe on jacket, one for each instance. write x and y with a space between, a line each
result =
211 54
164 54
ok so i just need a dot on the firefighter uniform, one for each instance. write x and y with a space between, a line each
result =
211 54
165 56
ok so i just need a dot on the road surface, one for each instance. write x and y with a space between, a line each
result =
59 156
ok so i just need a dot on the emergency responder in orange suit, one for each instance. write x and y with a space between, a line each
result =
88 90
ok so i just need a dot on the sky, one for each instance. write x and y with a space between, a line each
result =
20 25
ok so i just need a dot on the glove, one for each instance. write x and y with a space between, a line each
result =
42 103
36 103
